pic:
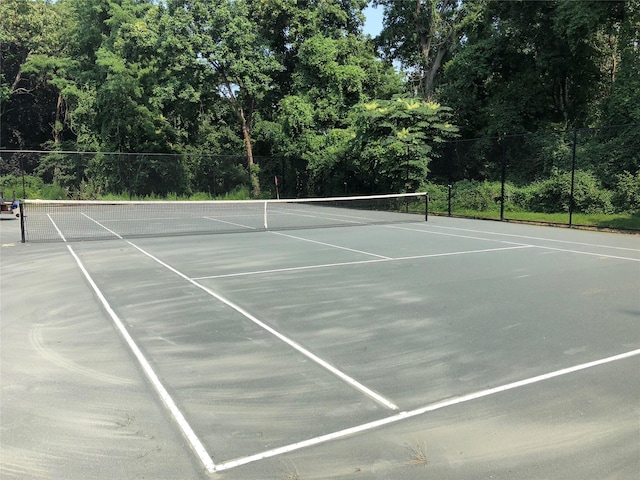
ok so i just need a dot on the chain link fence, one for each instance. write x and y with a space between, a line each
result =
570 177
576 177
91 175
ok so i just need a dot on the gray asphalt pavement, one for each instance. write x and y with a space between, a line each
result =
441 350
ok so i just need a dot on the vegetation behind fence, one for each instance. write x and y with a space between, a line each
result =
585 176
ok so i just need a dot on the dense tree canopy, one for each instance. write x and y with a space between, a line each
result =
297 82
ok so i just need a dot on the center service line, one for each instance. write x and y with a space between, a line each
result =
187 431
327 366
420 411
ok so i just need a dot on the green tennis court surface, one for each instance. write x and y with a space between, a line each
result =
444 349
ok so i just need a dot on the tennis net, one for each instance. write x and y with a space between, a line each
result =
76 220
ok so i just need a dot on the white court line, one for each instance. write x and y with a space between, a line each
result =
419 411
101 225
537 238
331 245
343 376
229 223
188 432
422 230
327 366
579 252
631 259
57 229
325 216
362 262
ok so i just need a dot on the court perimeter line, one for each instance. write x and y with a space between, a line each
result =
186 429
420 411
362 262
292 343
331 245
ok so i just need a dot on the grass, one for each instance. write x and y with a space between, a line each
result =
618 221
417 454
290 471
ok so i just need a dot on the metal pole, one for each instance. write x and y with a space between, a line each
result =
426 207
449 200
22 229
503 177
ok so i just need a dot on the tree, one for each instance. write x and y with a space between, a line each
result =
394 139
421 35
236 58
32 56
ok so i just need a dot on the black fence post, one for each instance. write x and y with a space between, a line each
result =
503 177
450 187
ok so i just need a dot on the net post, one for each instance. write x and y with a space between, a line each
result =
23 234
426 207
265 216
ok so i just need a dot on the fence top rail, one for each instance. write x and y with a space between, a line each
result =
146 154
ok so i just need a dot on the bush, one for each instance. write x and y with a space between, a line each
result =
479 196
438 196
554 194
32 186
627 195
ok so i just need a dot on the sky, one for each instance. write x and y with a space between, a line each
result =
373 22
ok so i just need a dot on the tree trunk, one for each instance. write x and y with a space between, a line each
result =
255 183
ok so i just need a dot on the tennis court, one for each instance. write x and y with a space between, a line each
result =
443 349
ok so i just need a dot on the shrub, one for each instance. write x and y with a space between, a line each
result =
11 183
627 195
554 194
438 196
476 195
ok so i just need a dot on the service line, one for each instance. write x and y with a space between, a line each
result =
292 343
420 411
332 245
362 262
307 353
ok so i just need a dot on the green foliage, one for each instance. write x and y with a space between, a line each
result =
291 80
545 196
32 186
393 141
554 194
482 196
627 193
